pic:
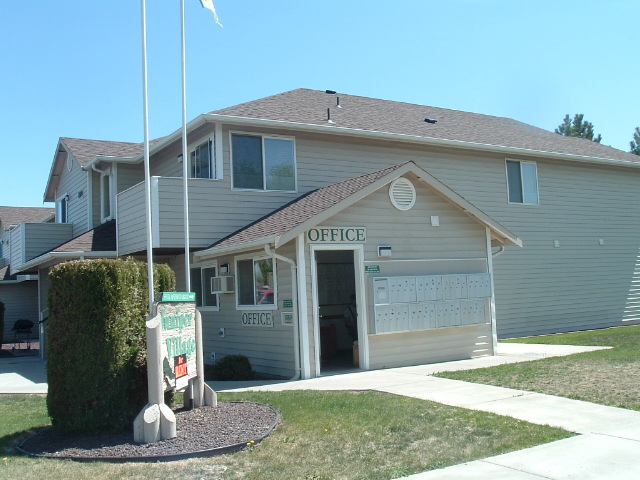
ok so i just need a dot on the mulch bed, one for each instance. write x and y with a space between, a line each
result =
205 431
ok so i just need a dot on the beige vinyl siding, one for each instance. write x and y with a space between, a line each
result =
18 299
30 240
538 288
131 217
270 350
72 183
129 175
429 346
457 245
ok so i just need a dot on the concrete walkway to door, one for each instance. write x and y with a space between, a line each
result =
607 445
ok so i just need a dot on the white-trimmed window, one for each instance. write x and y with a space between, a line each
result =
263 162
201 285
106 196
256 282
522 182
201 164
62 208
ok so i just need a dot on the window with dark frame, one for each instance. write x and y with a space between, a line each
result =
256 282
201 161
263 163
522 182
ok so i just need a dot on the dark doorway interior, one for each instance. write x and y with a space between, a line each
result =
338 314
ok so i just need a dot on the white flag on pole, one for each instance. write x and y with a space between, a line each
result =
209 5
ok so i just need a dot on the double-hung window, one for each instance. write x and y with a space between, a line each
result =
522 182
201 164
263 163
256 282
62 209
106 195
201 285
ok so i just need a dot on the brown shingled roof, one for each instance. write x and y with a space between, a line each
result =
309 107
16 215
86 150
100 239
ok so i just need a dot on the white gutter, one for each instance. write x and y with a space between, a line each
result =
294 290
64 256
498 252
336 130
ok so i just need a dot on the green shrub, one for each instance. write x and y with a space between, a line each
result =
230 367
97 342
1 322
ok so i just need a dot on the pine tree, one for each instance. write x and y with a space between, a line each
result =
577 128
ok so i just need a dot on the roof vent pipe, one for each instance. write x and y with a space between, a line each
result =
338 102
329 116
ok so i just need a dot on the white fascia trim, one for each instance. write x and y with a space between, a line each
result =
64 256
217 251
419 140
172 137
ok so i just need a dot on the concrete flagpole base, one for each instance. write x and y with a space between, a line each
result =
154 423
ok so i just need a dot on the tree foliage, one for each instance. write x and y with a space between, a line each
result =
577 127
635 143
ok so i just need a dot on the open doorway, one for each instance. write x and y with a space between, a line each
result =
337 311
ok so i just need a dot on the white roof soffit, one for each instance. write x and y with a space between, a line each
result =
336 130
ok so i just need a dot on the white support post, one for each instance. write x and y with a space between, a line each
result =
203 394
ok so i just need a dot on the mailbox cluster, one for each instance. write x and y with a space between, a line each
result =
410 303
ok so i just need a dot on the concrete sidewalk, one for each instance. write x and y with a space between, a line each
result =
606 447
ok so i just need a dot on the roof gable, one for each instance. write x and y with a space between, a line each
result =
284 224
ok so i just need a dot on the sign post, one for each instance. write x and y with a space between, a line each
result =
174 358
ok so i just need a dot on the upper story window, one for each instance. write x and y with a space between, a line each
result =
522 182
256 282
106 196
201 164
201 285
263 163
62 209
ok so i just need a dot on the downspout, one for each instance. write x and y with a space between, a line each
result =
294 290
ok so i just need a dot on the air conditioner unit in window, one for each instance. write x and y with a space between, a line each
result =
223 284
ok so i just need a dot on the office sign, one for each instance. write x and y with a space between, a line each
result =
177 312
337 235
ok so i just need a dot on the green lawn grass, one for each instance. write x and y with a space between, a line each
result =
609 377
323 435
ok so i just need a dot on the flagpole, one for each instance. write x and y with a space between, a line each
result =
185 158
147 175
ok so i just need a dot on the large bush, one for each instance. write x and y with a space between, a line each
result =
97 338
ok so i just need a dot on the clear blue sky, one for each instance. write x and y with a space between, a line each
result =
73 67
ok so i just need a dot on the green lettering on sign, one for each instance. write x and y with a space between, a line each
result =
287 303
372 269
178 297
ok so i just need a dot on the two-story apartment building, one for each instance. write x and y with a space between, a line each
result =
448 228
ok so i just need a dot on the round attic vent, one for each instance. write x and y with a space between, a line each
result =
402 193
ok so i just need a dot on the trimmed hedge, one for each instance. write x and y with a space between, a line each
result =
97 342
1 322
